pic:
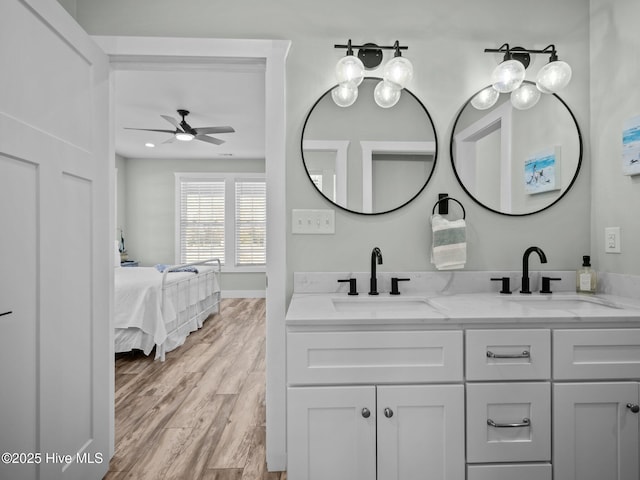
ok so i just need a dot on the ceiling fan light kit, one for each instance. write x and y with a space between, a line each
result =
185 132
184 136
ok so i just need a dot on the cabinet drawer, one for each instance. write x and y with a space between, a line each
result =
521 471
525 404
508 354
374 357
596 354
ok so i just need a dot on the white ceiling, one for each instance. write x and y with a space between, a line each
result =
219 94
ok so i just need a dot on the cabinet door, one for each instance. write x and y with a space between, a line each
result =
330 435
595 434
421 432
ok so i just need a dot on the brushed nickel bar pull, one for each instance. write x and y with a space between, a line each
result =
525 423
5 313
524 354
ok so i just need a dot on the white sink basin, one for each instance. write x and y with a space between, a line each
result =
563 302
382 304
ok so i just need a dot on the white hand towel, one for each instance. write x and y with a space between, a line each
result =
449 248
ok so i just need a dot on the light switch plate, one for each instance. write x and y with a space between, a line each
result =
612 240
313 222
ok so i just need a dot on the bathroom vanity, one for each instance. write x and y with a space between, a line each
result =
456 385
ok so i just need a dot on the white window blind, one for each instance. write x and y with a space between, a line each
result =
201 220
250 222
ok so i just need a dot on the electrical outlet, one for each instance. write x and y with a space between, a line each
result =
313 222
612 240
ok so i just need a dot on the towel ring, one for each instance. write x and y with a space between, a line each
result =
464 213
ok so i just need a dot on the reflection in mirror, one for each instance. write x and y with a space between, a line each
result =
367 159
516 162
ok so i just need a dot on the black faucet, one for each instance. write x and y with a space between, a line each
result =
373 285
525 266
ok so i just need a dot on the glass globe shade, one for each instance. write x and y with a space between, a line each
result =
486 98
554 76
398 70
386 94
345 94
543 90
508 76
350 69
525 96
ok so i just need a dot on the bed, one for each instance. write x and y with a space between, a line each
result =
155 308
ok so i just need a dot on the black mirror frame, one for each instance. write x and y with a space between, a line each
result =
575 175
435 157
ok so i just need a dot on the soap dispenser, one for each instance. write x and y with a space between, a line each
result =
586 277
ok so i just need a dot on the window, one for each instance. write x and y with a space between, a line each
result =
223 216
251 222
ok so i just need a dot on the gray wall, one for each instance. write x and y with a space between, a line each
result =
446 42
615 96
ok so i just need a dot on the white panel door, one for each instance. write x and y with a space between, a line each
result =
56 252
18 306
595 433
331 433
421 432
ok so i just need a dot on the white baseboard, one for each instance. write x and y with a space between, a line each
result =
243 293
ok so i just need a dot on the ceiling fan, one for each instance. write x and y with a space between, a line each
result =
185 132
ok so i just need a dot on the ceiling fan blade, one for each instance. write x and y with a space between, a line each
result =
204 138
150 130
172 121
205 130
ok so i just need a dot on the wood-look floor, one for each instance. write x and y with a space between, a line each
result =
199 415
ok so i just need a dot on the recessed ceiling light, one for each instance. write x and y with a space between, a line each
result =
149 145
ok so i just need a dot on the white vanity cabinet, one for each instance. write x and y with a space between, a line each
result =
527 394
349 417
595 418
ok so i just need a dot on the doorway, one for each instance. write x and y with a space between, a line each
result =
193 51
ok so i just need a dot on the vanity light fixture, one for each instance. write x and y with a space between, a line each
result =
345 94
525 96
555 75
485 98
350 72
509 75
350 69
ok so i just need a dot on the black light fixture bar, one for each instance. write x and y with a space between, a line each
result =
395 46
370 53
515 51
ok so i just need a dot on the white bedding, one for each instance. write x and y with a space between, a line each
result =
140 319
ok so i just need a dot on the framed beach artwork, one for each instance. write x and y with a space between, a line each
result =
542 171
631 146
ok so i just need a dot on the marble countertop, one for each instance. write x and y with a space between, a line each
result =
461 309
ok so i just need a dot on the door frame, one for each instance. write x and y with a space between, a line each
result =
274 54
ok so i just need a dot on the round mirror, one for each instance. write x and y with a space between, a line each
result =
367 159
512 161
